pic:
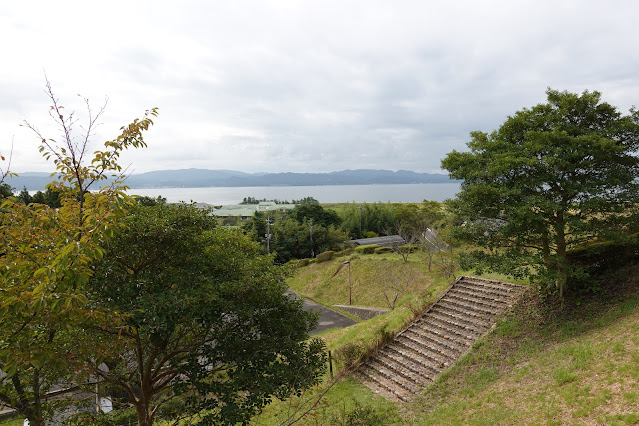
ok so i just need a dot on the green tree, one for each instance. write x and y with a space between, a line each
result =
306 200
207 318
315 213
550 178
45 264
295 240
5 190
150 201
50 197
256 227
25 196
358 220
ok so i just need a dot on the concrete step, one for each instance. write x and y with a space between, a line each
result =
486 301
414 363
429 359
404 377
380 388
483 292
428 354
450 305
438 338
392 382
470 306
431 331
453 318
432 343
506 289
450 330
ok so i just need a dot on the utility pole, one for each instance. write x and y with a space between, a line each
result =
346 262
268 234
310 228
360 221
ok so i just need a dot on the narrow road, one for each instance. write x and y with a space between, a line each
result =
328 318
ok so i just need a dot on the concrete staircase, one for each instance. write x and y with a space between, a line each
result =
433 342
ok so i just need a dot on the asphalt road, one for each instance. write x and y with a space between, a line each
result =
328 318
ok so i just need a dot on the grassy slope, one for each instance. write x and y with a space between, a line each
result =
578 366
370 275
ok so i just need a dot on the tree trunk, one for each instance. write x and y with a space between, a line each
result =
145 418
562 261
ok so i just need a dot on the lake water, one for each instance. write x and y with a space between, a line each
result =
402 193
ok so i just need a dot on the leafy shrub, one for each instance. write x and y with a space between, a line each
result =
350 354
123 417
303 262
360 415
344 252
366 249
381 250
409 248
325 256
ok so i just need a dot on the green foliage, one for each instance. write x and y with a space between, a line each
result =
366 249
417 218
204 310
325 256
350 354
358 414
347 251
316 214
50 197
122 417
292 240
550 178
6 190
306 200
256 226
382 250
25 196
360 220
150 201
303 262
46 261
253 200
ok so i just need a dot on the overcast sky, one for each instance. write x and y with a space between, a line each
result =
305 86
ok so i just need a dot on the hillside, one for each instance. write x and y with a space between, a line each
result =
579 365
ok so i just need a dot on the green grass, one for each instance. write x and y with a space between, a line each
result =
371 276
346 399
574 367
13 421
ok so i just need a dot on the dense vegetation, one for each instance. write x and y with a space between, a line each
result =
552 178
145 301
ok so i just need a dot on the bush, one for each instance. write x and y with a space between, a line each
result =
350 354
122 417
408 248
303 262
344 252
381 250
359 414
325 256
366 249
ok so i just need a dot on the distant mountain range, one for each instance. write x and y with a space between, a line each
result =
200 178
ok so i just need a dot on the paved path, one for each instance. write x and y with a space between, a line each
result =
328 318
